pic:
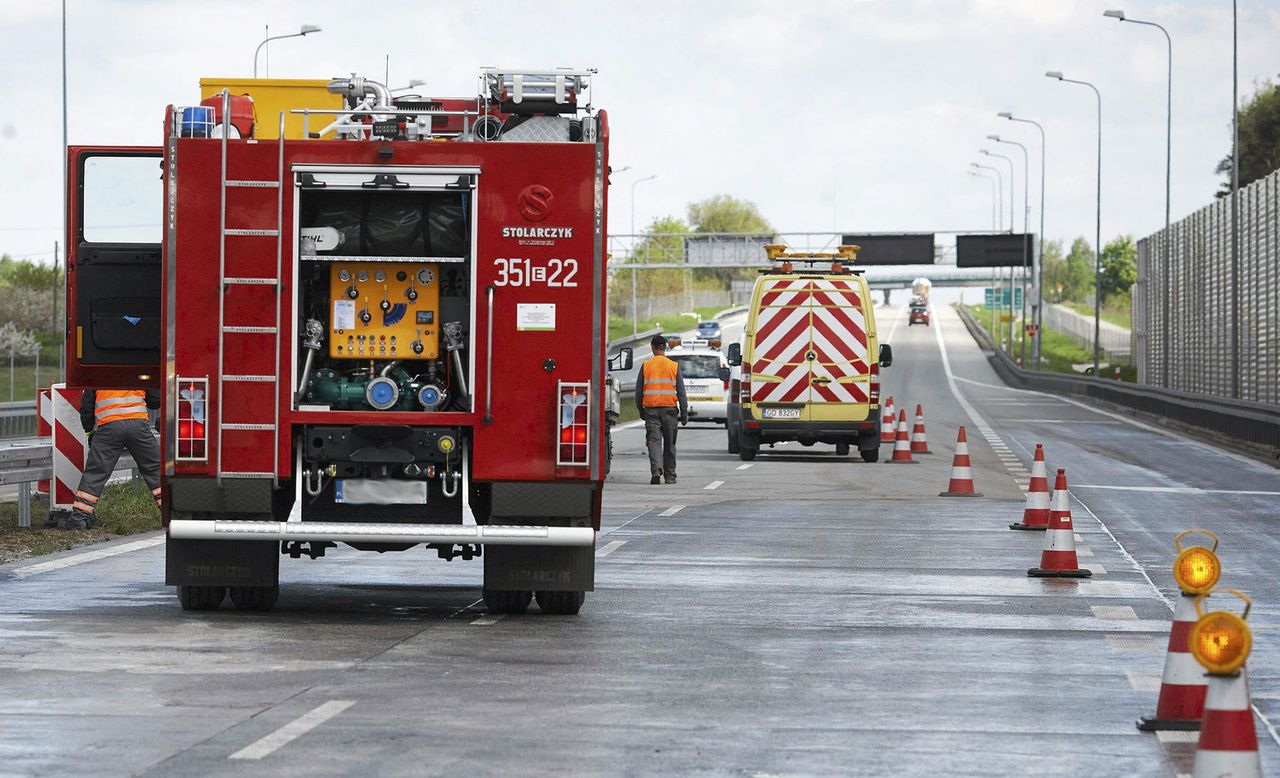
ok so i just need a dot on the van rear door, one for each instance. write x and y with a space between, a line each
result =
839 362
114 227
779 368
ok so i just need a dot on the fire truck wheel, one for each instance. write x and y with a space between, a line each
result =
201 598
608 451
254 598
871 455
747 454
735 445
561 603
842 449
499 601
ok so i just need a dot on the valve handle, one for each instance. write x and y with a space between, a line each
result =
1177 542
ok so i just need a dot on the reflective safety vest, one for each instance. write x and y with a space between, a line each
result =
120 404
660 382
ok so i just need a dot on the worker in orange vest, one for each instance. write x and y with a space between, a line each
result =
117 421
660 397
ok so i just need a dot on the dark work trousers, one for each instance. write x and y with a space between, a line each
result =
660 427
109 441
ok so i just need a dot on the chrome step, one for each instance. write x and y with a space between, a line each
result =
242 474
229 425
251 233
250 281
349 532
250 330
253 184
262 379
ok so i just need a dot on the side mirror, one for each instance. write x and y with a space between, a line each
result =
623 360
724 374
734 357
886 355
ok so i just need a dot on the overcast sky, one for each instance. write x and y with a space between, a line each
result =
855 115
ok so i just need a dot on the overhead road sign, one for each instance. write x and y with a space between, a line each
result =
725 250
998 250
907 249
1002 298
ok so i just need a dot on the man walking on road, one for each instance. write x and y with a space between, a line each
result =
661 399
122 424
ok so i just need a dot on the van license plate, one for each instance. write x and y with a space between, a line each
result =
781 413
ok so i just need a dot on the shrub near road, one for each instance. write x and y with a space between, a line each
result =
125 509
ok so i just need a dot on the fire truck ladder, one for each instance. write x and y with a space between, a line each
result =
227 283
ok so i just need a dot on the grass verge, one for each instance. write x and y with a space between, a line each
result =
125 509
1118 313
620 327
1058 353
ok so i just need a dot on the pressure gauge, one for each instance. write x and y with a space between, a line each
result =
362 276
344 275
379 276
425 276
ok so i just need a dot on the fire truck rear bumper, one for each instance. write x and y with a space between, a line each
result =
505 535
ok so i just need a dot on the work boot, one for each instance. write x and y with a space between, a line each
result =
71 522
656 479
671 479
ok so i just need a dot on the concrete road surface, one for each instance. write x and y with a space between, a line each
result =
804 614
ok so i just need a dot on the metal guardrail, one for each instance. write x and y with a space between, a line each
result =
22 464
18 419
1256 424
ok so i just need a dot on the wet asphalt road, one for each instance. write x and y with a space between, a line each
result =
800 615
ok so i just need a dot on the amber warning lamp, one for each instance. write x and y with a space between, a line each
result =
1221 641
1197 568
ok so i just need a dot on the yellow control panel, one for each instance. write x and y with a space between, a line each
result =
384 310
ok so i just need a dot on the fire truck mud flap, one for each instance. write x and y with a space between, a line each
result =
551 568
191 562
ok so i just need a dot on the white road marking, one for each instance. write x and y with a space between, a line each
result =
1175 489
488 619
87 556
293 730
1174 736
609 548
1077 537
747 465
1086 552
1095 569
1143 682
1114 612
1140 644
673 510
1060 421
897 317
714 485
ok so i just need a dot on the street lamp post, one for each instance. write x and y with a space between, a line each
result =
1168 177
635 311
1012 174
307 29
994 203
1026 227
999 191
1097 247
1038 308
995 335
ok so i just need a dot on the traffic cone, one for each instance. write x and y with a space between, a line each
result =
1058 559
1182 688
919 445
1036 513
1228 741
901 443
886 422
961 484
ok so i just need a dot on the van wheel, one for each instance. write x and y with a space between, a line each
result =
254 598
502 601
561 603
871 455
734 445
747 454
201 598
842 449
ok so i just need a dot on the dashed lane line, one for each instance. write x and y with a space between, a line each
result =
293 730
87 556
673 510
1143 682
1114 612
609 548
746 466
714 485
488 620
1174 736
1134 644
1176 489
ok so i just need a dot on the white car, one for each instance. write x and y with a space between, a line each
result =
701 366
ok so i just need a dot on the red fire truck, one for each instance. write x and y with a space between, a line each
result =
375 321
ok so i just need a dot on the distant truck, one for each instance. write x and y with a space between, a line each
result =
920 288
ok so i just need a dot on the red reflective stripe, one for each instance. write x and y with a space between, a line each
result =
1228 730
1179 636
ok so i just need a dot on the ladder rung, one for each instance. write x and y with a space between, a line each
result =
259 379
250 281
251 330
251 233
246 474
254 184
227 425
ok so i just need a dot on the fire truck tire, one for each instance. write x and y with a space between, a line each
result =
870 455
561 603
842 449
201 598
501 601
735 445
254 598
608 451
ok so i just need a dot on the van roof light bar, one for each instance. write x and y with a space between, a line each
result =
841 261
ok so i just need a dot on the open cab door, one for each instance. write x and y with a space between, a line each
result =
115 225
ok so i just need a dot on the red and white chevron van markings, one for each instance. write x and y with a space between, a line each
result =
784 293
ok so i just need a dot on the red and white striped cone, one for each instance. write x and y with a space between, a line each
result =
919 444
961 484
901 444
1035 515
1228 741
886 422
1058 558
1182 688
